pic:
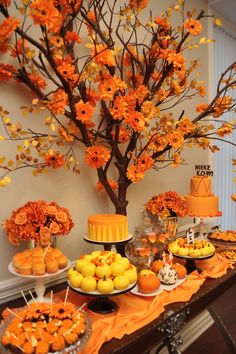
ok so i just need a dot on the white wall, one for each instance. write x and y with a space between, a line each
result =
78 192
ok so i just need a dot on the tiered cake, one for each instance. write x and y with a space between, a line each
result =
201 201
107 227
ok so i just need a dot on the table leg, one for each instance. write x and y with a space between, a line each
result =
171 329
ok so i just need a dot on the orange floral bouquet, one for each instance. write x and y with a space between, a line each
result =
167 204
38 221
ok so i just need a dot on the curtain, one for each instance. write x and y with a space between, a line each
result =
224 187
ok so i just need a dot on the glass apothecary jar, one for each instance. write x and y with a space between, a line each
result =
146 245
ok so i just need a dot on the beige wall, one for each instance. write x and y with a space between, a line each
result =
78 192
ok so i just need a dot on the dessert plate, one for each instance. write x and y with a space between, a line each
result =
129 237
162 287
12 270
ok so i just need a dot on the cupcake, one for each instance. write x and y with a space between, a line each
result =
167 275
51 265
62 261
24 266
38 267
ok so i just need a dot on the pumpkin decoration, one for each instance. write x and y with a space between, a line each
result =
180 269
157 265
148 283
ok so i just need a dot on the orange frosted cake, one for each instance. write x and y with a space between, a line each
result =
201 201
107 227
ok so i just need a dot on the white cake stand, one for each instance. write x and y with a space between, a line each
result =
201 220
39 282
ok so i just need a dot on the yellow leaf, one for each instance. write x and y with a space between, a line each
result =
26 143
3 182
2 138
52 127
19 148
202 40
10 163
35 101
14 135
6 120
2 160
218 22
48 120
8 179
22 10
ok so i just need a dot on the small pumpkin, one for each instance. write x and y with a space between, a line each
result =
157 265
180 269
148 283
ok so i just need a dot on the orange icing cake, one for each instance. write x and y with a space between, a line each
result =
107 227
201 201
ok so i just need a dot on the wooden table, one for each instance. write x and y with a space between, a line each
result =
168 324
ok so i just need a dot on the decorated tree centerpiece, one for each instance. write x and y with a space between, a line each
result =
110 80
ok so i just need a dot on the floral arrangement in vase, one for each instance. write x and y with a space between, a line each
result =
167 204
38 221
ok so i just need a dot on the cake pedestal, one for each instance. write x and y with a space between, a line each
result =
201 220
190 262
39 287
101 303
108 244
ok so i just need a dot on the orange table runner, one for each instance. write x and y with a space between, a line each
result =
136 311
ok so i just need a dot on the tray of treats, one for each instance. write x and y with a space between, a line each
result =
228 236
39 262
45 328
229 254
199 249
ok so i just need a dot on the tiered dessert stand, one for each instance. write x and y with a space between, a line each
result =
108 244
39 282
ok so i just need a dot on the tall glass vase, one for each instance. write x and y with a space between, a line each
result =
171 227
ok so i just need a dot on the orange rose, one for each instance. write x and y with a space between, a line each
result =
61 216
45 234
20 218
54 227
51 210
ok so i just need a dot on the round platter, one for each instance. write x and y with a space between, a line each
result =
192 258
97 294
101 303
74 348
12 270
129 238
220 242
162 287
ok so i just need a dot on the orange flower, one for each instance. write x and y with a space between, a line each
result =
185 125
145 162
37 80
134 173
19 48
201 107
158 143
193 26
233 197
73 37
44 13
113 185
176 139
119 109
20 218
176 159
167 204
103 56
36 221
149 110
138 4
53 159
84 111
54 227
162 22
97 156
57 41
222 104
66 69
136 121
225 129
7 27
58 102
5 74
61 216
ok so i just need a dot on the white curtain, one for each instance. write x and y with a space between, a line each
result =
225 54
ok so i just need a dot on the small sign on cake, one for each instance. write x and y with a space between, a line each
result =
203 170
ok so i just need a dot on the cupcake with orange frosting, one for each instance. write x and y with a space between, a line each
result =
38 267
51 264
24 266
62 261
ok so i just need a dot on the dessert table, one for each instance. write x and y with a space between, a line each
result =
164 315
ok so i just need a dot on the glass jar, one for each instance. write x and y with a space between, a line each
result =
146 245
